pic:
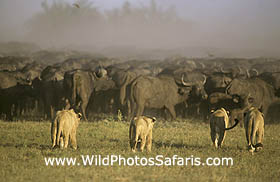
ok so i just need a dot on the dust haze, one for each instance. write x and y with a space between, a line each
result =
143 26
62 24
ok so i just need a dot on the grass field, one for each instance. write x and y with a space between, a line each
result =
24 146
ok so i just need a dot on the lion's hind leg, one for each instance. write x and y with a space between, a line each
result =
134 142
222 131
149 142
221 137
73 140
213 134
53 133
143 143
66 139
61 142
214 139
249 134
133 149
260 135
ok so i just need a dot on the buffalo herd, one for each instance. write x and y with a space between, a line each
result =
37 85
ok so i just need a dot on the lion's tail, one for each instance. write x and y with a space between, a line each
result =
54 132
235 124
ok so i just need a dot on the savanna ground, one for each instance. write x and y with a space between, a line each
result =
24 145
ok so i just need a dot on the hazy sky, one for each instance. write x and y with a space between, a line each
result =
248 24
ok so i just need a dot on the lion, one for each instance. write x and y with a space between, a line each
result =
254 129
140 130
219 121
64 126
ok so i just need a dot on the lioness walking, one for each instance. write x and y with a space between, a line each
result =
64 127
254 129
140 130
218 123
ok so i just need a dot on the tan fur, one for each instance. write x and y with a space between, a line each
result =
254 129
218 122
64 126
141 130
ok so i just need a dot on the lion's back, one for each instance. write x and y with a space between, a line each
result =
66 118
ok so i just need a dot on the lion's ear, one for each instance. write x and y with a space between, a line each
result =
154 119
212 111
79 115
227 112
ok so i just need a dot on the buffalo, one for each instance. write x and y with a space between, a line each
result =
79 86
261 92
157 92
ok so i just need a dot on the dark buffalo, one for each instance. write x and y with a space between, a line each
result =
49 85
273 78
267 65
79 86
234 104
238 113
198 95
122 79
13 63
157 92
32 70
216 83
8 80
105 101
13 84
12 78
49 89
49 93
218 100
261 92
123 74
15 100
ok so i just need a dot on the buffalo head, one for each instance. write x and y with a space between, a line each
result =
101 72
237 87
197 85
103 84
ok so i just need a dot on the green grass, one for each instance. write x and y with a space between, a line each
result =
24 145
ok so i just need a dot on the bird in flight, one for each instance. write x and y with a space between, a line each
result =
76 5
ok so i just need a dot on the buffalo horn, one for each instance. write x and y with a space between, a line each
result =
256 71
204 80
184 83
239 69
248 74
223 71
